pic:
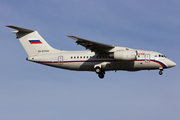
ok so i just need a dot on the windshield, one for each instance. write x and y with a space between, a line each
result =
162 55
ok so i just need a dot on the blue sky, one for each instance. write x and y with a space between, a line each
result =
32 91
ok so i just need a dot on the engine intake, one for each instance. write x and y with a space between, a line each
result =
124 55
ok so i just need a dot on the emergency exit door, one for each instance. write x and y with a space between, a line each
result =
60 60
147 58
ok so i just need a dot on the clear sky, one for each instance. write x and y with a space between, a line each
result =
30 91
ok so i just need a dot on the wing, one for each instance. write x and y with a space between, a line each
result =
91 45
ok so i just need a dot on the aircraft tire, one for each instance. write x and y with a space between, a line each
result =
101 75
160 72
98 70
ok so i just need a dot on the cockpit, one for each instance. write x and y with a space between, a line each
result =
160 55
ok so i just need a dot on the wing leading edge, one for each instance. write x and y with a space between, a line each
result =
91 45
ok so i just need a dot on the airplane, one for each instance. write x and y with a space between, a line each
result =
99 59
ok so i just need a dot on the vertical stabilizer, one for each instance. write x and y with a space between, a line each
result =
32 42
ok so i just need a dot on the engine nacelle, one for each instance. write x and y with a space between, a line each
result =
124 55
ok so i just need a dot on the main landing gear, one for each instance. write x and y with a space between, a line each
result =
160 72
100 72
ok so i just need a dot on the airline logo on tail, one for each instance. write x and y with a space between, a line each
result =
35 41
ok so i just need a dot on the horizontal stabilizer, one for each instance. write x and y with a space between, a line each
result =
20 29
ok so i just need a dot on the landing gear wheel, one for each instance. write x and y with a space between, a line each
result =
101 75
98 70
160 72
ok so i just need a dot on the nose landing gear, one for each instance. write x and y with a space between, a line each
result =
160 72
100 72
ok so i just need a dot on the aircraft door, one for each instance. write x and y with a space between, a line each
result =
147 58
60 60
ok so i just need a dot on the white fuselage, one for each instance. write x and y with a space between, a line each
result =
86 60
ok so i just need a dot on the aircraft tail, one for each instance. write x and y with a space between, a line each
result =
32 42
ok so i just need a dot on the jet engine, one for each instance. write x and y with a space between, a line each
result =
124 55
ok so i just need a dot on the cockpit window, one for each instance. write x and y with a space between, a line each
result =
162 55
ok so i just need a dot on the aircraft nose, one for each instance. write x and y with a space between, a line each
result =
171 64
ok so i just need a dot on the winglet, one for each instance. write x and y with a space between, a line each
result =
20 29
8 25
70 36
73 37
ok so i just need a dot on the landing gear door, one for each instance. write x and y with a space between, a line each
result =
60 60
147 58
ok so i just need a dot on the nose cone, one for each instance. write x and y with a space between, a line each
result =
171 64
